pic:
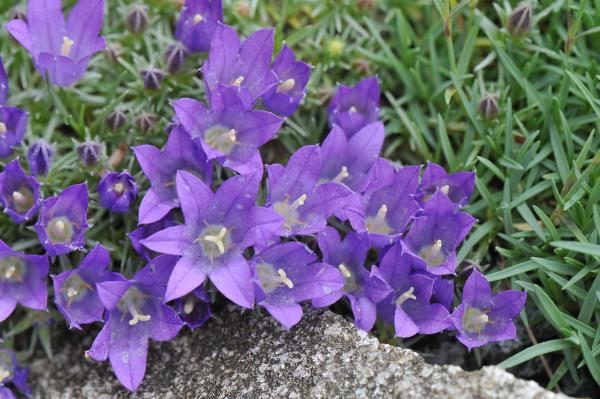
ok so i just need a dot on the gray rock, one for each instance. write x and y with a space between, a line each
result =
248 355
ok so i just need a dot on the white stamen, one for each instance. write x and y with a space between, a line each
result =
137 317
238 81
232 135
66 47
436 248
198 18
345 270
4 374
9 272
284 279
381 214
18 197
352 109
286 86
3 128
71 292
119 188
342 175
445 189
298 203
406 296
218 240
188 305
483 318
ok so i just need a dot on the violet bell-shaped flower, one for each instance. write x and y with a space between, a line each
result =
75 293
212 241
62 222
353 108
22 281
117 191
12 374
457 186
61 51
363 288
436 234
229 131
13 122
288 273
193 308
135 313
179 153
19 193
483 317
197 23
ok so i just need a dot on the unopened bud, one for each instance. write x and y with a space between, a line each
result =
174 57
152 78
39 157
89 153
145 122
520 20
116 120
137 20
488 106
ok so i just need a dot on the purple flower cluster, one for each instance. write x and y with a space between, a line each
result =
380 235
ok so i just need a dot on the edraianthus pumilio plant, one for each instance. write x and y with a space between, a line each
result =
200 233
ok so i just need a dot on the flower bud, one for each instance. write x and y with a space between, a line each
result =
145 122
116 120
39 157
488 106
152 78
520 20
174 57
89 152
137 19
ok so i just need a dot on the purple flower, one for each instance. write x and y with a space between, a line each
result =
292 76
246 67
436 233
22 280
63 220
3 83
135 313
19 193
389 204
212 241
13 122
193 308
117 191
197 23
408 306
12 373
229 132
179 153
75 292
353 108
39 157
61 51
483 317
285 274
363 288
302 205
457 186
146 231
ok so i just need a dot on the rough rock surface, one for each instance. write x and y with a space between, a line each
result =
250 356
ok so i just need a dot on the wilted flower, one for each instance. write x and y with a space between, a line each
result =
152 78
12 373
19 193
13 122
212 241
229 132
75 292
117 191
174 57
483 317
488 106
437 232
194 308
116 119
135 313
408 307
3 83
520 19
63 220
457 186
179 153
39 157
145 122
293 75
146 231
89 152
197 23
363 288
246 67
352 108
285 274
137 19
61 51
22 280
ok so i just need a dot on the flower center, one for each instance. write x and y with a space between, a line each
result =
285 86
74 288
342 175
60 230
237 81
66 47
4 374
12 269
408 294
445 188
352 109
188 304
3 128
474 320
119 189
131 303
432 254
214 241
220 138
290 211
197 19
7 366
377 224
271 279
22 199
